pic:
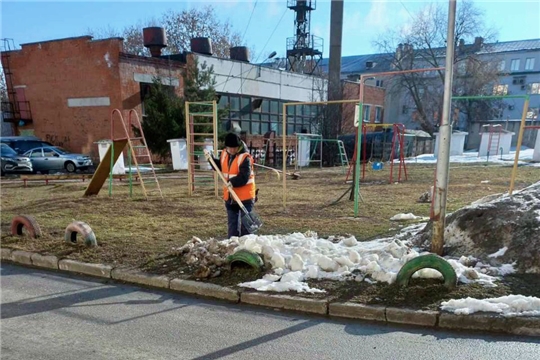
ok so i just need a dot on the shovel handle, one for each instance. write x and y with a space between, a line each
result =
208 156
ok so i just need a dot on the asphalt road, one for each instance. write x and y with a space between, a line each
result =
48 315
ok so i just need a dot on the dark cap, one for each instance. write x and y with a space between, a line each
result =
232 140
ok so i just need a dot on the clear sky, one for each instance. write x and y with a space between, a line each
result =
31 21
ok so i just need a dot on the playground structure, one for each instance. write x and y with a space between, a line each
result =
201 134
284 136
137 148
379 145
522 127
309 149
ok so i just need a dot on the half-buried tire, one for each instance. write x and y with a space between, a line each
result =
429 261
21 222
79 228
246 257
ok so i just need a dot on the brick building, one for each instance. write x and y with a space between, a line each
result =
66 88
373 108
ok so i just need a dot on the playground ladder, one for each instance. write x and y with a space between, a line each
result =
201 124
343 154
494 140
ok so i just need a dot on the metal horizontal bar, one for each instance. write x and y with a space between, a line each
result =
205 134
200 102
322 102
205 114
490 97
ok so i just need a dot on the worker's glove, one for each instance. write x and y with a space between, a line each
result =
229 185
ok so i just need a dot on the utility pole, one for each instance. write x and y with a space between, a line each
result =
438 214
333 115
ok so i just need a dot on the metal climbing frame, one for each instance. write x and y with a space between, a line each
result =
137 149
201 133
398 144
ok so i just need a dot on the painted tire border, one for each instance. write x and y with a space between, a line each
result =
25 221
247 257
428 261
80 228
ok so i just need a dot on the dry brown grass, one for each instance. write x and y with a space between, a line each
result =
133 231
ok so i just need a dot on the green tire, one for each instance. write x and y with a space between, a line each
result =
429 261
247 257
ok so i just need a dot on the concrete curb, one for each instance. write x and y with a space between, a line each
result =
358 311
84 268
285 302
138 277
525 326
205 289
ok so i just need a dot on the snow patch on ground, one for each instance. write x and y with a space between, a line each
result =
408 216
298 257
511 305
499 253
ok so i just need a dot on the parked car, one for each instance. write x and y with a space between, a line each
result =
21 144
13 162
54 158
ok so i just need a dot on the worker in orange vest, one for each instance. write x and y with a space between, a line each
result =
236 164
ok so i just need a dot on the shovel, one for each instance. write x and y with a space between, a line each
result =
250 220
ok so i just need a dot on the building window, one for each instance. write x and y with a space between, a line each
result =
367 112
500 90
532 113
379 83
529 64
534 88
378 114
514 65
502 65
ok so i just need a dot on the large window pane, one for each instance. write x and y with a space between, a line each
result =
223 102
290 129
255 128
245 104
265 106
290 110
235 103
274 107
265 127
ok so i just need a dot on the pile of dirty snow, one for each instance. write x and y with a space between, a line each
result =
511 305
489 225
297 257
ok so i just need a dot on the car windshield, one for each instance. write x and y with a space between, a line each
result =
6 150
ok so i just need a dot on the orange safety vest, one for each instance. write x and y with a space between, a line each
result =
246 192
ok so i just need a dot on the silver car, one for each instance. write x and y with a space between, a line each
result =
54 158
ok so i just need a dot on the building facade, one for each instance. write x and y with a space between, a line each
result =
518 74
64 90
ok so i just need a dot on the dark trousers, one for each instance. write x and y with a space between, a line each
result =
234 218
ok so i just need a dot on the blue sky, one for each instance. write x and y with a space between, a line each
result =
31 21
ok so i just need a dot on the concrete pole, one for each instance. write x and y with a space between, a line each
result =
445 131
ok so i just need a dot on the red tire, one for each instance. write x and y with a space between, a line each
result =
18 223
82 229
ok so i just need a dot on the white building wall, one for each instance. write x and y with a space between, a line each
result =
236 77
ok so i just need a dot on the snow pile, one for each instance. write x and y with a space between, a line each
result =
297 257
408 216
511 305
498 229
469 157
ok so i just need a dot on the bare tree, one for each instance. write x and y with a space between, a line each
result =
422 44
3 87
180 27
